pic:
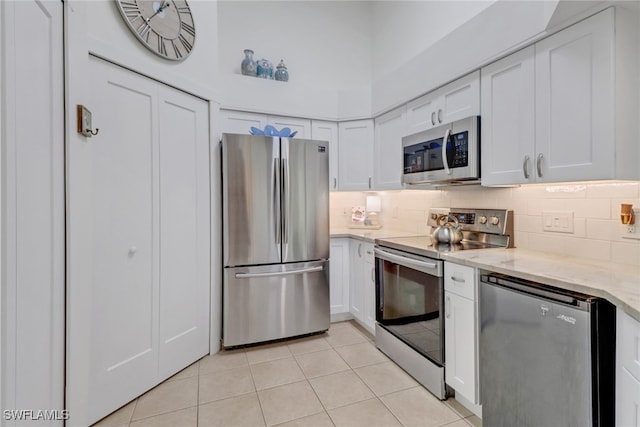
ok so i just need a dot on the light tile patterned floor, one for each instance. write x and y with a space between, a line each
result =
335 379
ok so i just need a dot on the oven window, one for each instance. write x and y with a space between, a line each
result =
409 303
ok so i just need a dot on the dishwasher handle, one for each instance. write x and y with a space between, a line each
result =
540 290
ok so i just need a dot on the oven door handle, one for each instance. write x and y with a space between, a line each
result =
407 262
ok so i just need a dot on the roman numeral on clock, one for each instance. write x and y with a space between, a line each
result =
162 49
190 29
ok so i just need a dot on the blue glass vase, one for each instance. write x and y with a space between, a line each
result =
248 65
282 74
265 69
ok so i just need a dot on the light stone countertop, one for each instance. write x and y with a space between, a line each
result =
618 283
369 235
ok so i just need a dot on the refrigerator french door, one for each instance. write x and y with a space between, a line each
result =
275 238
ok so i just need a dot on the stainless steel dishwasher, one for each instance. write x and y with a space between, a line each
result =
547 356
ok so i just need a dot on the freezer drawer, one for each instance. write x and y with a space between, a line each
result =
264 303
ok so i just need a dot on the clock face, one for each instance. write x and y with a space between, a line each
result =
165 26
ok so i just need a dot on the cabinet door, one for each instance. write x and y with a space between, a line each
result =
302 126
460 343
328 131
419 115
574 102
388 162
458 99
628 400
241 122
355 158
508 105
356 298
369 289
339 276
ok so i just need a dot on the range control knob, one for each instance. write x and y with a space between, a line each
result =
482 219
434 216
494 220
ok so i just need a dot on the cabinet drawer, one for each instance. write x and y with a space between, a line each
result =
367 250
460 280
627 400
629 343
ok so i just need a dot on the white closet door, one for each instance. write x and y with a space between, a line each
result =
32 208
149 236
125 316
184 230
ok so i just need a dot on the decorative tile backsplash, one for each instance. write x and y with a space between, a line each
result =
597 232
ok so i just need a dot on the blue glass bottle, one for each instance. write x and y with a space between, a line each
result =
248 65
282 74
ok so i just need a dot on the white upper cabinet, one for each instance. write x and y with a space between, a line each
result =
387 164
302 126
574 102
355 155
242 122
457 100
562 110
508 104
328 131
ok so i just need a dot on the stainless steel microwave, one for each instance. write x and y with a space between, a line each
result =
447 154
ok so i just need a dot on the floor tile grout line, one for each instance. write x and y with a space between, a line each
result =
135 405
198 396
255 390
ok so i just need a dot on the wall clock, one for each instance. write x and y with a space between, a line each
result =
165 27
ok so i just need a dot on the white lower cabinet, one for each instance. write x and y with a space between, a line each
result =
461 337
362 284
339 278
628 371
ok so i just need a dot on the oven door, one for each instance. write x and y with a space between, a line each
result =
409 300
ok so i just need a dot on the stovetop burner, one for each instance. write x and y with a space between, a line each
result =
481 228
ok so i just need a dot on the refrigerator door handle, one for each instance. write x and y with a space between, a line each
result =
285 199
279 273
276 202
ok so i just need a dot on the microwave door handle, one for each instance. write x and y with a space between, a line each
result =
445 161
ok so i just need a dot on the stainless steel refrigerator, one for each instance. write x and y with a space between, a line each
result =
275 198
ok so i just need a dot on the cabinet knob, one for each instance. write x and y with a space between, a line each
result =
133 250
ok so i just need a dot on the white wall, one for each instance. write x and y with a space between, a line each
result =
596 207
109 37
326 46
404 29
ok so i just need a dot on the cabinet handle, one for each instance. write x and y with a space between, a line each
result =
525 167
373 275
440 115
455 279
335 183
539 165
447 307
369 182
433 118
360 250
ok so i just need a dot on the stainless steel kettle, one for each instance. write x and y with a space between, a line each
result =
446 232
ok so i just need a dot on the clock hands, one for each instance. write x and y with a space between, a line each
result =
160 9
